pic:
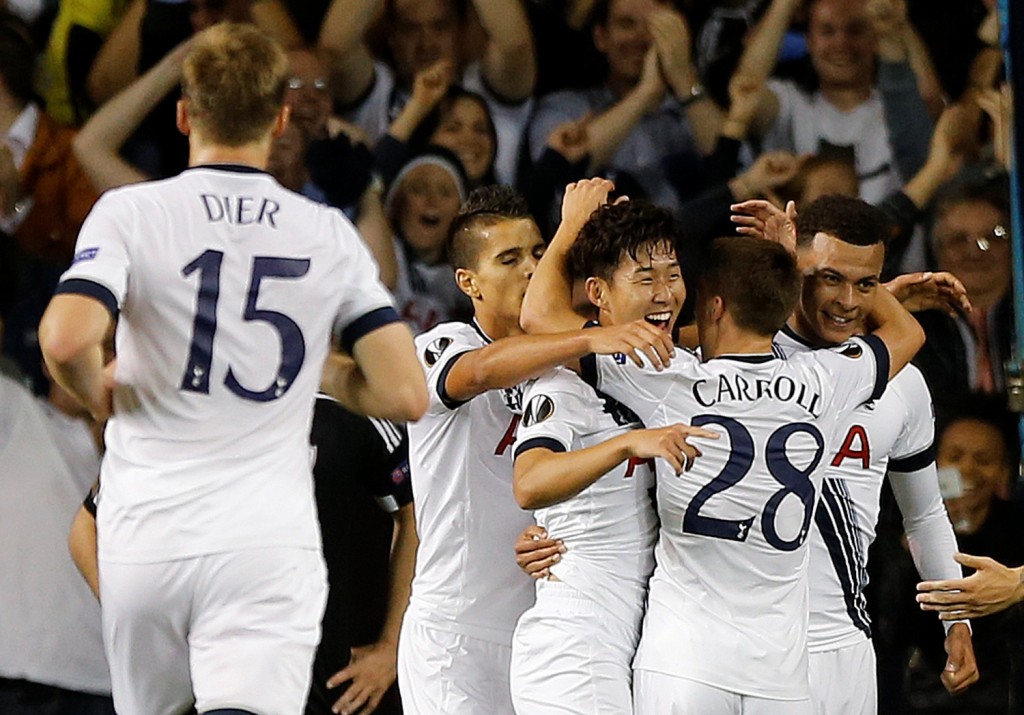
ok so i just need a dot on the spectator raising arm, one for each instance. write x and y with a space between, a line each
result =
510 59
341 39
99 142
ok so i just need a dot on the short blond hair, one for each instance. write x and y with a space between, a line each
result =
234 78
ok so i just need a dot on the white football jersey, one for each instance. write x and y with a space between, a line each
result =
228 287
609 528
894 432
460 456
728 598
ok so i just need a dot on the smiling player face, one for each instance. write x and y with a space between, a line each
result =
840 280
649 286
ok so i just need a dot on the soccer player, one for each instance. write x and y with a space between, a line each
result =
228 287
725 629
839 243
455 645
584 463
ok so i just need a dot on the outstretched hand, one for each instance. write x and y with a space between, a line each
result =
372 670
763 219
930 291
990 589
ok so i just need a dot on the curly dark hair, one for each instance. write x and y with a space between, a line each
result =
485 206
850 220
756 279
629 228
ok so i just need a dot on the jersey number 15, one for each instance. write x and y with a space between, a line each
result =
196 377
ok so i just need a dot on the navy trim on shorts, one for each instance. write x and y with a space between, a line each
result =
92 289
367 324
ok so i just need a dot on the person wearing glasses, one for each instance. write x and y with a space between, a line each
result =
970 238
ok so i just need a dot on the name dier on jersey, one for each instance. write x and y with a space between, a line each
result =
239 210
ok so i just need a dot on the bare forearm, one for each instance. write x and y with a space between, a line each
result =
762 51
706 121
401 569
341 39
82 545
510 63
608 130
510 361
117 63
547 307
543 477
81 376
923 187
99 142
373 227
901 333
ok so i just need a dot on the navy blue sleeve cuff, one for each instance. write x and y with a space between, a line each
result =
914 462
367 324
881 353
442 378
540 442
84 286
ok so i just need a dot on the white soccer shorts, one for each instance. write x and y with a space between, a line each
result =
844 681
230 630
445 673
661 694
570 656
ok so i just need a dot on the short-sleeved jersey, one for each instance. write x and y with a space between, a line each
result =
385 100
228 287
728 598
460 455
895 431
609 528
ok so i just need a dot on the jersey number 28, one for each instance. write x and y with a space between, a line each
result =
792 479
204 327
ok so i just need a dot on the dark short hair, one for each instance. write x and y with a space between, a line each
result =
485 206
758 280
850 220
17 57
629 228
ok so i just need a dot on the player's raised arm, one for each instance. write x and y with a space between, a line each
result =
897 328
510 361
548 305
545 476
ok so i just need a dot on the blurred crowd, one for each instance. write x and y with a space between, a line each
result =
400 107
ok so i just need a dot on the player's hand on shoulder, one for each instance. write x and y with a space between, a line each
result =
372 670
536 553
632 339
938 290
669 443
